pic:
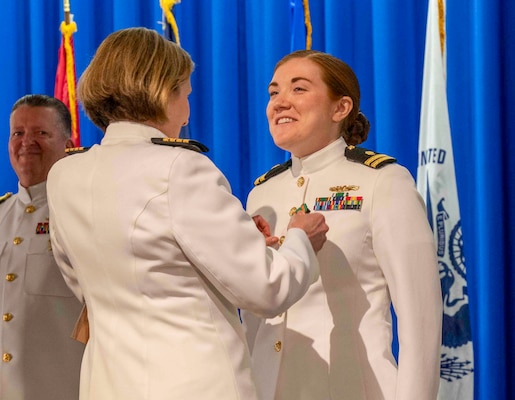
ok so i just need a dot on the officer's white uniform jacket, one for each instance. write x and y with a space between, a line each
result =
151 237
335 343
40 361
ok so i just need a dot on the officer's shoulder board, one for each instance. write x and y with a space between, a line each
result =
368 157
276 170
5 197
178 142
76 150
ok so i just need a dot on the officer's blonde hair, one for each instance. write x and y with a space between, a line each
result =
132 76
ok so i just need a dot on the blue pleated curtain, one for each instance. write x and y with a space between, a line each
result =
235 45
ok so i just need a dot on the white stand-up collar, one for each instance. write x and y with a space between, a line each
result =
124 131
319 159
35 194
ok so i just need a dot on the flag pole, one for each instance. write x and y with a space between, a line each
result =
66 7
307 22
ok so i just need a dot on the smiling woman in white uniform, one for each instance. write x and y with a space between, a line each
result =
146 232
336 341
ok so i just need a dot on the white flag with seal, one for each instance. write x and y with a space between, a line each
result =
436 182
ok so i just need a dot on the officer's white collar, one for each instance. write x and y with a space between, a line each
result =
122 131
320 159
33 194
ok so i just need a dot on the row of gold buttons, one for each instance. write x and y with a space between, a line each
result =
7 357
300 182
29 210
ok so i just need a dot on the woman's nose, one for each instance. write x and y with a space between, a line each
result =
281 102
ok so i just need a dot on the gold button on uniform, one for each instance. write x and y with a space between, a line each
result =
7 317
30 209
293 211
278 346
281 239
6 357
300 181
17 240
10 277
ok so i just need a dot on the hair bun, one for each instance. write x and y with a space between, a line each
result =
357 131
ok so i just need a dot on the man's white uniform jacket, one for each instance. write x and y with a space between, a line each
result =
40 360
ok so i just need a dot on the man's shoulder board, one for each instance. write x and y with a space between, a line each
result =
5 197
76 150
276 170
177 142
368 157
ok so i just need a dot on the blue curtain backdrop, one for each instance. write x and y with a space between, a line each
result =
235 44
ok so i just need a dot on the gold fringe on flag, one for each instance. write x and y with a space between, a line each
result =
166 6
307 22
68 29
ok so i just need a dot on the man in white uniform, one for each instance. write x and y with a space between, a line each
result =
40 361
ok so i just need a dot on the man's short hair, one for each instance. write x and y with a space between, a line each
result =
42 100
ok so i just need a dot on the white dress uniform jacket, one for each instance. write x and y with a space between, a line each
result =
40 361
162 253
336 341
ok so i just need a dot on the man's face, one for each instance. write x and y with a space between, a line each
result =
37 140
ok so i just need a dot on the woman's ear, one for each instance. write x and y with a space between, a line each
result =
343 108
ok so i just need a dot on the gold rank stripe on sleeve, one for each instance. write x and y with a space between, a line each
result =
76 150
368 157
276 170
5 197
178 142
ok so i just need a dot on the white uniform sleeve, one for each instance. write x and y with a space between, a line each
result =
404 246
222 241
61 259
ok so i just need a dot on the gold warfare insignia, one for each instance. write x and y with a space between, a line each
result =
344 188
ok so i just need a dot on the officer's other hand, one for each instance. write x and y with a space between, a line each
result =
264 228
313 224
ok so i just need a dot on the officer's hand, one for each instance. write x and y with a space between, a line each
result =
314 225
264 228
